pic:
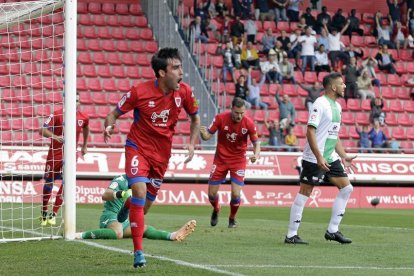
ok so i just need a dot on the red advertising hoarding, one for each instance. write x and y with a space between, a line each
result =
90 192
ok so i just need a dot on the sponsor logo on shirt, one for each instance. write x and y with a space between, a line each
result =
151 104
163 116
240 172
231 137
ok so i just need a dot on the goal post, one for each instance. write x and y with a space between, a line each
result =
37 77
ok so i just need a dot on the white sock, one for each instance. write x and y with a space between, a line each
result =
296 214
338 208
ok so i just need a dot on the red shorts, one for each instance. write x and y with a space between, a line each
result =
219 171
140 168
53 169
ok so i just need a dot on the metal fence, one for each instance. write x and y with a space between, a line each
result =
165 27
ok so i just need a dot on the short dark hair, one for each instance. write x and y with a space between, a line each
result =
160 60
327 80
238 102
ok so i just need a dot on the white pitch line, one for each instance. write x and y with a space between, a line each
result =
178 262
316 267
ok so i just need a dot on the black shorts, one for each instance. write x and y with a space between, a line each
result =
313 175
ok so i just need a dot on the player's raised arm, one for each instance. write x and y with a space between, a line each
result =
194 129
110 124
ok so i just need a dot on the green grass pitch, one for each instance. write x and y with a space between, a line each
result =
383 242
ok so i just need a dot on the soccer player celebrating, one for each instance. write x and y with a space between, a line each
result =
156 104
53 128
110 228
233 130
321 161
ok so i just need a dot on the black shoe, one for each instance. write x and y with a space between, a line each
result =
123 214
336 237
214 218
295 240
232 223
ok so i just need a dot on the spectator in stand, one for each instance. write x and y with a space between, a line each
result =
351 73
384 32
246 6
237 56
338 20
353 25
308 42
377 136
314 4
280 10
284 39
287 112
410 4
350 51
271 68
364 143
324 40
198 28
394 146
310 20
279 51
275 134
226 29
237 31
237 8
228 57
370 64
263 12
201 9
377 114
335 51
385 60
410 40
242 90
254 91
394 7
221 9
291 141
410 19
286 70
268 41
295 48
321 60
293 10
302 25
249 56
400 37
364 84
322 19
314 92
212 13
251 29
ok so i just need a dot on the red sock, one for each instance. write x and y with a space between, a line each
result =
127 203
58 200
214 201
47 192
136 219
234 206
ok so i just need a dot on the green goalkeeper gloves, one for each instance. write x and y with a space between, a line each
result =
123 194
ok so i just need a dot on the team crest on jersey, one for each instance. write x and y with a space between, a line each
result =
177 101
134 171
151 104
80 123
244 131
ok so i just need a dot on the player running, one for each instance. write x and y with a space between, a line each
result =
156 104
321 161
53 128
110 228
233 130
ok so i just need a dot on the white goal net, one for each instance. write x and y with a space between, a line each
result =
31 88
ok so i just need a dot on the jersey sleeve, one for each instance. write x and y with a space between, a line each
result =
253 132
119 184
128 101
190 103
315 114
215 125
54 120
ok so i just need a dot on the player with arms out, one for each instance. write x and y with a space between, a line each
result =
115 196
321 162
156 104
233 130
53 129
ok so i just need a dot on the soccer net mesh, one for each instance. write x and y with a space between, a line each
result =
31 88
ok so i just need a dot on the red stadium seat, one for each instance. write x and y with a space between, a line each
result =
99 20
131 72
400 68
104 71
96 126
302 117
366 105
396 106
94 85
407 147
399 133
95 8
354 104
406 55
129 59
132 34
90 110
85 98
104 33
391 119
85 58
269 24
343 132
135 9
5 137
300 131
402 93
358 41
81 45
109 46
80 84
121 8
388 92
290 89
184 128
89 70
90 32
113 98
352 132
82 7
143 60
99 98
362 118
298 103
147 73
350 146
404 119
85 19
125 21
146 34
103 110
283 26
151 46
141 21
124 85
259 115
108 8
109 85
394 79
43 110
124 126
113 58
